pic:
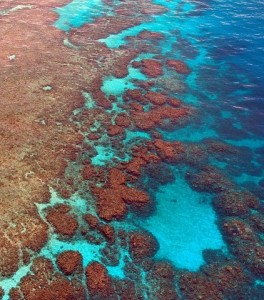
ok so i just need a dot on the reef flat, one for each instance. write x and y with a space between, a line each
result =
100 199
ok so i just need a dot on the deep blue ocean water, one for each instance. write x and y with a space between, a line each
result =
223 43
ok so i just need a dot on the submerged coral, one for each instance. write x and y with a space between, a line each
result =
105 153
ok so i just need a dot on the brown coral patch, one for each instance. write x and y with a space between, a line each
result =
122 120
151 67
235 203
179 66
142 245
150 35
209 179
98 281
245 244
108 232
114 130
69 262
199 287
157 116
156 98
110 204
169 151
45 283
91 220
63 222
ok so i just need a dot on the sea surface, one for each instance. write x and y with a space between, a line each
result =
222 42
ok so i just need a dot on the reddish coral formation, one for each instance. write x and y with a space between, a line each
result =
165 290
114 130
9 256
230 278
93 136
142 245
158 116
236 229
100 98
116 177
136 107
163 270
175 102
15 294
134 167
127 290
134 95
91 220
1 292
215 146
245 244
89 172
136 64
122 120
218 281
45 283
179 66
134 196
161 280
257 221
156 98
98 281
108 232
110 204
209 180
235 203
196 287
169 151
141 157
69 262
151 67
150 35
63 222
111 199
26 257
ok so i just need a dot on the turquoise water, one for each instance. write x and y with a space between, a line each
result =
184 224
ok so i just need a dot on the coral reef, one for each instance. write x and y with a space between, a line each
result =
98 151
70 262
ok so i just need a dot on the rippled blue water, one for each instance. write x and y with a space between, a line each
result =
223 42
